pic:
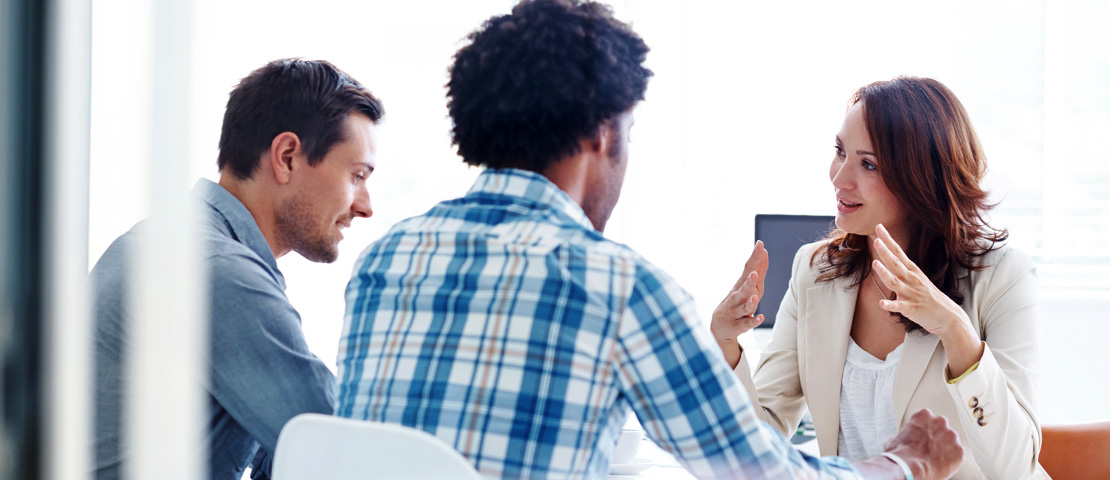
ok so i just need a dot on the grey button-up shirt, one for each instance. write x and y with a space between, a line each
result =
261 372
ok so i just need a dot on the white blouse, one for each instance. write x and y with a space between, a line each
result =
867 402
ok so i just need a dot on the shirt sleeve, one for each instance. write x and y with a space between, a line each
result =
262 371
687 397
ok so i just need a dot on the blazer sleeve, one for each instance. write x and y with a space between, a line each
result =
997 399
776 389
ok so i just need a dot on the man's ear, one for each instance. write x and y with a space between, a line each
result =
283 149
602 138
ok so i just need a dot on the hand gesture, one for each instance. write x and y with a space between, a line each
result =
734 315
924 304
918 299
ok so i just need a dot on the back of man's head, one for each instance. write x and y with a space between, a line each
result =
533 83
310 98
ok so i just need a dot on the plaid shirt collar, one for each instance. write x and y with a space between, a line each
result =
529 189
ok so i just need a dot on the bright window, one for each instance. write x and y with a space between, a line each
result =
739 120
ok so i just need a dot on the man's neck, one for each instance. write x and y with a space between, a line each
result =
570 175
259 203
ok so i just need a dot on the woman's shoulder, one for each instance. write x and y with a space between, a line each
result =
1004 255
1004 261
811 252
809 259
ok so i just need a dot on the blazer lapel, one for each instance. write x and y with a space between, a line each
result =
918 350
829 310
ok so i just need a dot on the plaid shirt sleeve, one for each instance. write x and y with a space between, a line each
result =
687 398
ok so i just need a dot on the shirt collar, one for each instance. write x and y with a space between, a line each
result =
238 219
530 186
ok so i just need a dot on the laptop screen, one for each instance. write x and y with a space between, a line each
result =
783 235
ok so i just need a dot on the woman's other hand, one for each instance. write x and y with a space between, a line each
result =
924 304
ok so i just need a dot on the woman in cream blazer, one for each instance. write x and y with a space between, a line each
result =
803 363
914 275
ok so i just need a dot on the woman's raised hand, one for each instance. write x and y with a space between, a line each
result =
735 314
923 303
918 299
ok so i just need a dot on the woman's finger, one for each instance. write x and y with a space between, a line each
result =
751 322
741 305
893 264
894 306
757 263
885 276
893 246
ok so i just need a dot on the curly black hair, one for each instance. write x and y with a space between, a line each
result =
530 85
311 98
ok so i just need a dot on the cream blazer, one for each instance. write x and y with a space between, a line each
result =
804 362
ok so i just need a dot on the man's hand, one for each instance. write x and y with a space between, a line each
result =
927 444
734 315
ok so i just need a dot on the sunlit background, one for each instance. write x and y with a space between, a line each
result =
739 120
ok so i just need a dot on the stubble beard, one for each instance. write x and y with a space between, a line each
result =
298 230
602 199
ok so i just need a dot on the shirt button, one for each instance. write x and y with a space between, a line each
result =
982 421
974 402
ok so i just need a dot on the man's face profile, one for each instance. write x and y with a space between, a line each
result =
330 194
605 189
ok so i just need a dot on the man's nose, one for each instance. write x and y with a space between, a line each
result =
361 207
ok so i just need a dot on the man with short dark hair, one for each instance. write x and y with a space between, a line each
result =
505 324
296 148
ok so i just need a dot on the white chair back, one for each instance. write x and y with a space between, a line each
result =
314 446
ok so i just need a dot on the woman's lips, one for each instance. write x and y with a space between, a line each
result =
846 207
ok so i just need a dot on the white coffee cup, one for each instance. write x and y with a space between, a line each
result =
628 443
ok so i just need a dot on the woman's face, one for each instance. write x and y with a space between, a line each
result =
862 199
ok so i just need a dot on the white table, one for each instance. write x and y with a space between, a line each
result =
667 468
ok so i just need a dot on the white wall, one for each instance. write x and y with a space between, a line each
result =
739 120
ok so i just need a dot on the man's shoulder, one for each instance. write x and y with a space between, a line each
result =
231 263
538 236
647 276
218 245
222 254
463 217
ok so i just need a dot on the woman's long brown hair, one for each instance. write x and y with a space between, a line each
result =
931 161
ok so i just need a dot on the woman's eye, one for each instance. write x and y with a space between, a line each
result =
839 150
868 165
360 176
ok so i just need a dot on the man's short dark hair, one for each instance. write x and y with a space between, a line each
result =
310 98
532 84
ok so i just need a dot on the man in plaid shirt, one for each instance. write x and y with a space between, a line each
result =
505 324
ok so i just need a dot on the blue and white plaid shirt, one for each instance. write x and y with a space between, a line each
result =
504 324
